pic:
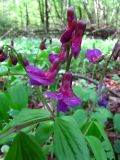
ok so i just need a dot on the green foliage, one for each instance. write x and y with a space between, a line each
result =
86 93
69 143
116 121
44 131
102 115
4 107
81 117
25 117
117 146
116 78
95 129
18 96
96 148
25 147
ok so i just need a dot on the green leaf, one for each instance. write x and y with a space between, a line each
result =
4 106
96 148
95 128
3 70
102 115
116 122
69 143
25 147
18 96
44 131
30 115
85 93
117 146
81 117
25 118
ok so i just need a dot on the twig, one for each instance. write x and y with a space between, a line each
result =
4 35
94 82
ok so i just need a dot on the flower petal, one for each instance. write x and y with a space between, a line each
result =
34 70
93 55
61 106
72 100
55 96
53 57
66 36
76 45
36 80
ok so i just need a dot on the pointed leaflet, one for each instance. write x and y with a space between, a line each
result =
44 131
18 96
96 129
96 147
26 117
25 147
68 141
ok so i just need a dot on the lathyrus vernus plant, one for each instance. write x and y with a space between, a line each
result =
64 131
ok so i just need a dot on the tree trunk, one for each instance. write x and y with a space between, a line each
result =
46 16
41 11
27 18
89 14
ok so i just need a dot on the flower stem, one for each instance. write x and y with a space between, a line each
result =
43 99
69 62
19 127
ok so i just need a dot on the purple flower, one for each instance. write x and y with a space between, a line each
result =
3 56
43 44
53 57
13 59
65 95
66 36
40 77
71 18
102 101
25 61
77 38
60 56
72 21
94 55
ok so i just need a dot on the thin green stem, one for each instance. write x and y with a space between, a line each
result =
106 66
69 62
43 99
19 127
11 48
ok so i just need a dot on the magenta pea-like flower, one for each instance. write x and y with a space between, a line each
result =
43 44
25 61
72 21
3 56
53 57
65 95
40 77
13 59
60 56
93 55
77 38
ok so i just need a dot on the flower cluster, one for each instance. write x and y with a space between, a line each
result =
74 32
71 39
65 95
